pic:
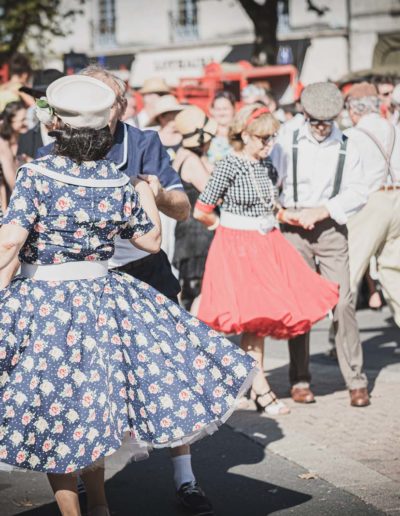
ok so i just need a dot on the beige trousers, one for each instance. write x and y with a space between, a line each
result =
328 243
375 231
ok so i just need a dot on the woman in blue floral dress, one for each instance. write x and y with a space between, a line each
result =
87 355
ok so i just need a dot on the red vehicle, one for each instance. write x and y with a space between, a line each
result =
233 77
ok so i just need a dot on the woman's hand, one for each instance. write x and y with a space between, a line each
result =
154 183
288 216
308 217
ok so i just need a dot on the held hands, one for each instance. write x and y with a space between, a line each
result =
306 218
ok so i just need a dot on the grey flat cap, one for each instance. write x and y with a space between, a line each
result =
322 100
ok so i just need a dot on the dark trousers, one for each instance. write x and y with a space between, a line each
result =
155 270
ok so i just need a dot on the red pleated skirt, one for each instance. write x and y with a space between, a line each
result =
261 284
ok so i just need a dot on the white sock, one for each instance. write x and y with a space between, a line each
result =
182 470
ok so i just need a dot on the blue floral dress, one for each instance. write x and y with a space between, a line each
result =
83 362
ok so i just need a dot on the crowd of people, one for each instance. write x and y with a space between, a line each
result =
133 241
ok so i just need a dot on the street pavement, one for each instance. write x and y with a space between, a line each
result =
323 459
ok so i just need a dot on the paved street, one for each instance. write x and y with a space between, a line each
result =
255 464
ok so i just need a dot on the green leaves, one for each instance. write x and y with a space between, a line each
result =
19 17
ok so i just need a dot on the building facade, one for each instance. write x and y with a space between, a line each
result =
177 37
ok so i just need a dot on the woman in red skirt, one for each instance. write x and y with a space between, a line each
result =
255 282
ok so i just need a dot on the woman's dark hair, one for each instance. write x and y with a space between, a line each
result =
224 95
6 118
82 144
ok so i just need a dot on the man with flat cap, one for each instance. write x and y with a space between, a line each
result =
375 230
322 185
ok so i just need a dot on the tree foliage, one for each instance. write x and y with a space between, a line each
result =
19 18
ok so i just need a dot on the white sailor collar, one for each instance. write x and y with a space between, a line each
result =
101 173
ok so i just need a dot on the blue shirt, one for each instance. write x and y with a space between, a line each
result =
138 152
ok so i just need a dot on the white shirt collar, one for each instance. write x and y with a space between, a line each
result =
366 119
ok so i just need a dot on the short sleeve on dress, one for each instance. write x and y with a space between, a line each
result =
23 209
220 180
138 222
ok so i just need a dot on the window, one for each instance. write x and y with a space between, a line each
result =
183 22
106 22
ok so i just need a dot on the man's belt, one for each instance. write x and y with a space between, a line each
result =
389 188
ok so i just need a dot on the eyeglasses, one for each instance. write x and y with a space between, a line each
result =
265 140
315 122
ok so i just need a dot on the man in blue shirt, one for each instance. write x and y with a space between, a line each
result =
140 153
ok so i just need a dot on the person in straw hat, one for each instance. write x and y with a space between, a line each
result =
106 355
166 109
322 185
255 283
151 91
192 239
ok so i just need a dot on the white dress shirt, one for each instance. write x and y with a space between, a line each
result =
316 171
374 164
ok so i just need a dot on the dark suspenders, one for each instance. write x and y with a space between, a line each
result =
340 166
339 169
295 148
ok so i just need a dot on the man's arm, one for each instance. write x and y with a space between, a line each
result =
163 179
174 203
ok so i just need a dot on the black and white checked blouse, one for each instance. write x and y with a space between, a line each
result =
232 182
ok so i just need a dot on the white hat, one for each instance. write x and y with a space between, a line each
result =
81 101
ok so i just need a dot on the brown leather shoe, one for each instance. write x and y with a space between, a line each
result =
302 395
359 397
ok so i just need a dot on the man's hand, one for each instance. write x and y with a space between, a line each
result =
154 184
289 216
308 217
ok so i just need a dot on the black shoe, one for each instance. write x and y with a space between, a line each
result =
192 497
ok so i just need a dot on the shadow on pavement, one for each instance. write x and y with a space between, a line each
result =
378 354
223 464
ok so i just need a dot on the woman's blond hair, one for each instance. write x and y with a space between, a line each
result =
263 125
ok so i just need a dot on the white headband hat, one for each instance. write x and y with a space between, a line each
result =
81 101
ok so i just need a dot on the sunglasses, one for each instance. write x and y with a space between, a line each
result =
315 122
265 140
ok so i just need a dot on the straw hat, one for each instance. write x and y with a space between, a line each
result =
81 101
195 127
154 85
322 100
165 104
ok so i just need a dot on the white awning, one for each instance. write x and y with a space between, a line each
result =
174 64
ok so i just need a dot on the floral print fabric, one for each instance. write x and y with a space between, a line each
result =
83 362
69 223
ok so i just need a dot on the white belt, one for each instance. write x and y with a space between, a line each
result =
68 271
263 224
